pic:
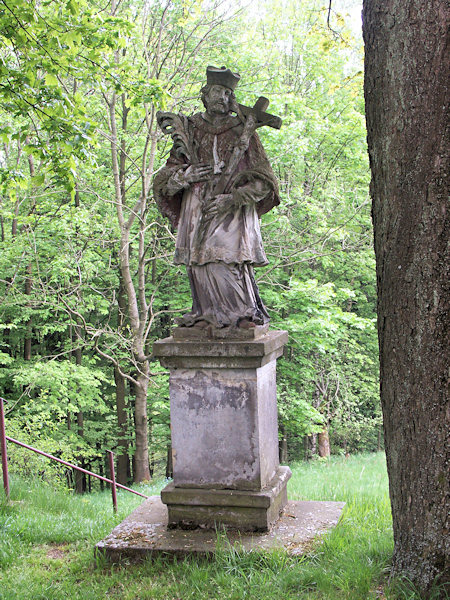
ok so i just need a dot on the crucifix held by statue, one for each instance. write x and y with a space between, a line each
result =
214 188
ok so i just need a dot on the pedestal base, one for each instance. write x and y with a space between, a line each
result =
224 429
144 533
189 508
223 410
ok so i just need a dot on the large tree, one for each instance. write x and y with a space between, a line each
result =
406 76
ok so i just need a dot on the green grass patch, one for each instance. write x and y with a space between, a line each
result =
47 540
38 514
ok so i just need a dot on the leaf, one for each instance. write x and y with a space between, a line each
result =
38 179
51 79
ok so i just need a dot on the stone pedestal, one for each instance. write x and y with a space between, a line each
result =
224 429
243 510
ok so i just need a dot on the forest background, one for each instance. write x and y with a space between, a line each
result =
87 282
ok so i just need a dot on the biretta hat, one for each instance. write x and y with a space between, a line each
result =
222 76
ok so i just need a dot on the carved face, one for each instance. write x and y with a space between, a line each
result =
218 100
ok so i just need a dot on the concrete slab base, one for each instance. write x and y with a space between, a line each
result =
144 533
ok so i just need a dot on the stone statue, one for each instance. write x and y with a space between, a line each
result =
216 184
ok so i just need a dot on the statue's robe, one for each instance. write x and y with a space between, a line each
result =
219 251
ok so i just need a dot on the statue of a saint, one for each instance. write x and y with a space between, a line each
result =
216 184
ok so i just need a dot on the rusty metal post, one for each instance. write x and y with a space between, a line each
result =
3 448
113 479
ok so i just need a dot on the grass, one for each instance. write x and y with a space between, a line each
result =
47 539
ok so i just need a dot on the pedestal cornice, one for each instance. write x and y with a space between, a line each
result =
227 353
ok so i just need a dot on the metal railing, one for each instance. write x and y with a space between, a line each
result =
4 438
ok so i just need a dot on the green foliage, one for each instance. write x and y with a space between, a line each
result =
57 390
46 52
332 351
66 68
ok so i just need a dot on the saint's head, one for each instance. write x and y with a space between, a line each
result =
218 93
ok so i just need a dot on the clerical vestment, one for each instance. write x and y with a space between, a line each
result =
219 251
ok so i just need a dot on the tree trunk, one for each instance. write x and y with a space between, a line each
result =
80 478
283 446
406 78
29 331
306 455
137 308
100 469
324 444
28 278
123 462
313 444
169 461
141 466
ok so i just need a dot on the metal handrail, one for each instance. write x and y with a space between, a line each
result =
4 437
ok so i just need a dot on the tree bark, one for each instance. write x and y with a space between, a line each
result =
169 461
406 75
137 307
141 465
29 331
80 478
29 281
312 445
123 461
324 444
283 446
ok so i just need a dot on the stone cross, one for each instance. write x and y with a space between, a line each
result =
258 111
252 117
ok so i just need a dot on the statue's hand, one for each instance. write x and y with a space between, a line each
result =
196 173
219 204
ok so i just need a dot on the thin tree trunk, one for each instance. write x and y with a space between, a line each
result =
80 478
29 280
101 469
141 466
169 461
151 453
306 453
406 90
28 334
313 444
123 461
136 304
283 445
324 444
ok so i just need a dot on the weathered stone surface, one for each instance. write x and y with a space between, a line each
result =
224 427
224 432
238 509
144 533
214 187
224 333
221 354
